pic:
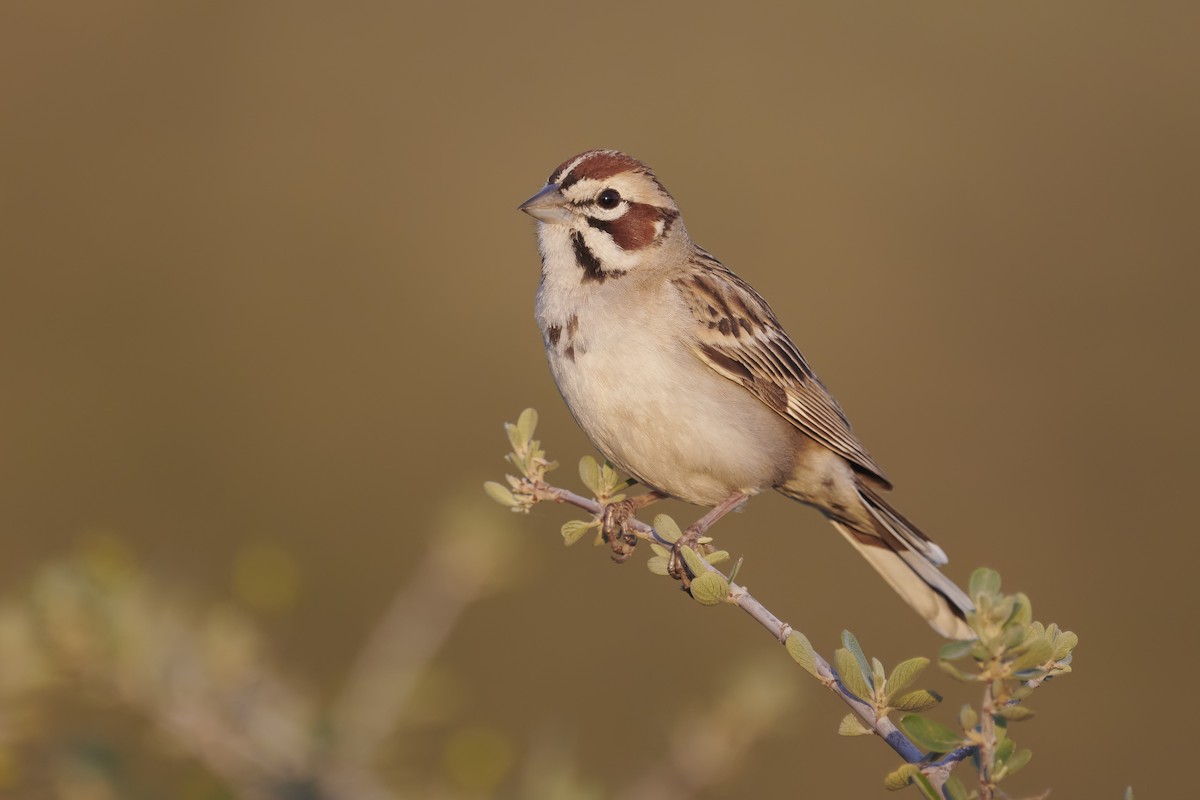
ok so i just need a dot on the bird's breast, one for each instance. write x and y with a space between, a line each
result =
623 361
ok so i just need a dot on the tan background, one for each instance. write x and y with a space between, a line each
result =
263 279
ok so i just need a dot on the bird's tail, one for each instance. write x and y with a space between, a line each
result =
908 560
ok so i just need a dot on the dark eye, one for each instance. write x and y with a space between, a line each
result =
609 198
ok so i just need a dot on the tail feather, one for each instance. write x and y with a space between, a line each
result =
918 582
908 560
892 520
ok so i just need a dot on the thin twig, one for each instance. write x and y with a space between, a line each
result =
779 630
987 752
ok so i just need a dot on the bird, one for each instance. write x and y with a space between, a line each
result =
683 377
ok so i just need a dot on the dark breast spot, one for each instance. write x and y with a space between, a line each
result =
553 332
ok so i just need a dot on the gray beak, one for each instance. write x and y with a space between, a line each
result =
548 205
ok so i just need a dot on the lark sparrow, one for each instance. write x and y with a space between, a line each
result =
682 376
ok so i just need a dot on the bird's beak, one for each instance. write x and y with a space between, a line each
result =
548 205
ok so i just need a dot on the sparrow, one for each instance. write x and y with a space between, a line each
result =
682 376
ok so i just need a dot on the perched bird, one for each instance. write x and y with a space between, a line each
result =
682 376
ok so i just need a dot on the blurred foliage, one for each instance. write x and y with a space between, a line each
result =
113 685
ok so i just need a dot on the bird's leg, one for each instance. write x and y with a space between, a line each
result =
695 531
614 517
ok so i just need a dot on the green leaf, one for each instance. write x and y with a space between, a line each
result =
589 473
1039 652
895 781
1064 643
574 530
608 478
1004 750
709 589
1003 610
954 789
904 673
1015 636
984 581
952 651
666 528
695 562
1014 713
717 556
926 786
514 437
737 567
851 725
1023 612
851 674
500 493
956 673
931 735
851 644
1017 761
659 550
911 773
527 424
658 564
919 700
968 718
801 650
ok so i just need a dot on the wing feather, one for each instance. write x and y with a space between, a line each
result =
740 338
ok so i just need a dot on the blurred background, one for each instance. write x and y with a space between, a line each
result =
266 301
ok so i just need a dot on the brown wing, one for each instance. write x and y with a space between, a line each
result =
740 338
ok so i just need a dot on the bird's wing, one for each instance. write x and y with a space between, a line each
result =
738 336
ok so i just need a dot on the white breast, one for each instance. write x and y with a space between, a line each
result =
626 370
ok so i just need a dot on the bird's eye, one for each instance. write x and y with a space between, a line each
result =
609 198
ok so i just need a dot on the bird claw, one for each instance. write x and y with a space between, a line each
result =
676 566
613 528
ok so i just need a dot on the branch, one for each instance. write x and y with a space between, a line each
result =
1012 653
779 630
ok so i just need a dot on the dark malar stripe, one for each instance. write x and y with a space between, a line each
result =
586 259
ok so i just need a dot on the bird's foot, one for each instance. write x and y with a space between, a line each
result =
694 538
613 528
614 523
